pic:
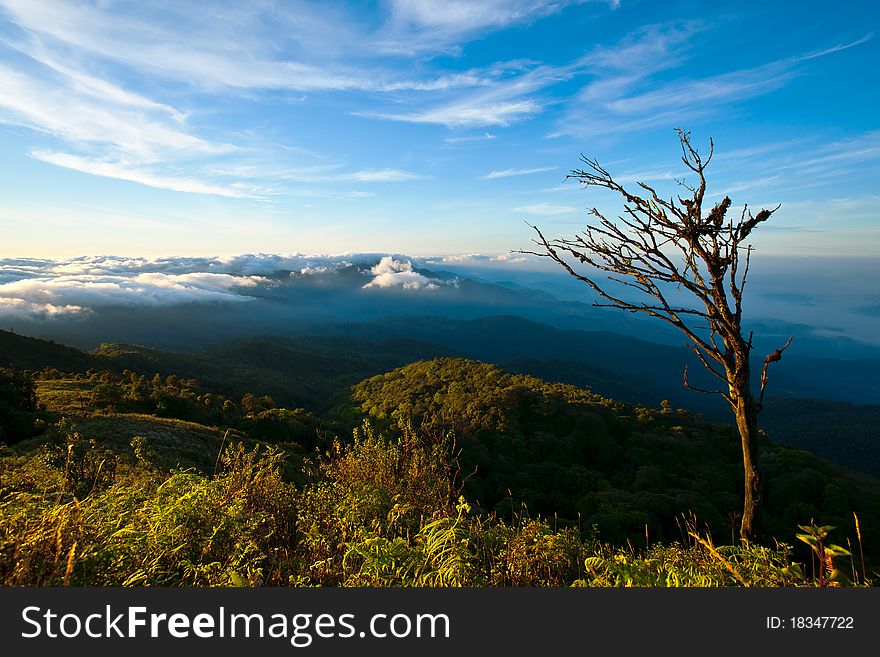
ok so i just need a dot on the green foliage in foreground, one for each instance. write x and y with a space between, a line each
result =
375 511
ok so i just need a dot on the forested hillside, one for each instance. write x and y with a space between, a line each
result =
624 468
315 373
441 472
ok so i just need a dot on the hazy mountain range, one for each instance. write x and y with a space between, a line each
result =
829 305
341 318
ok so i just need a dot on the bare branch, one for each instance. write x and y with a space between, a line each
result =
687 384
773 357
706 363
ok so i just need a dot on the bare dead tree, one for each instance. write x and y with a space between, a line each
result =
689 268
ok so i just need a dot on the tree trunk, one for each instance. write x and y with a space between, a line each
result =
745 410
746 421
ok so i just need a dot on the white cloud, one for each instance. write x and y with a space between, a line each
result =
514 257
477 259
116 122
271 263
380 175
507 173
837 48
43 288
14 308
238 47
313 270
64 62
418 26
392 272
546 209
118 134
467 113
458 259
486 136
121 171
691 96
512 94
467 262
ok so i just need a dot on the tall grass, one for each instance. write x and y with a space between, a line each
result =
376 511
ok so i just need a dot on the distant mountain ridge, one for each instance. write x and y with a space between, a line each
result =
316 372
26 352
501 338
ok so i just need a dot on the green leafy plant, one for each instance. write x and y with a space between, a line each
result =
815 536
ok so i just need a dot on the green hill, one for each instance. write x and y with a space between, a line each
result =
295 371
568 452
317 372
312 372
35 354
844 433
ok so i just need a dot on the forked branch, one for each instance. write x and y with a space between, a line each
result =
773 357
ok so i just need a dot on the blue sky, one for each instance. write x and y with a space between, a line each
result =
422 127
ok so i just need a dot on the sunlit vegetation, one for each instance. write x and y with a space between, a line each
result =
442 473
554 449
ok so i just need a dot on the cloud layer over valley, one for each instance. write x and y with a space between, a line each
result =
186 300
43 288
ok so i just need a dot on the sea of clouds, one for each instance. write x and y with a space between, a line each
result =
32 287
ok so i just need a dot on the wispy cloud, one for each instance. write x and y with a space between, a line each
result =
507 173
118 120
546 209
486 136
690 96
119 134
115 133
121 171
796 165
82 82
213 49
466 113
837 48
512 94
233 47
381 176
110 129
837 154
323 173
417 26
627 94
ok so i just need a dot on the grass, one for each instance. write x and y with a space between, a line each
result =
130 499
375 511
68 397
173 443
